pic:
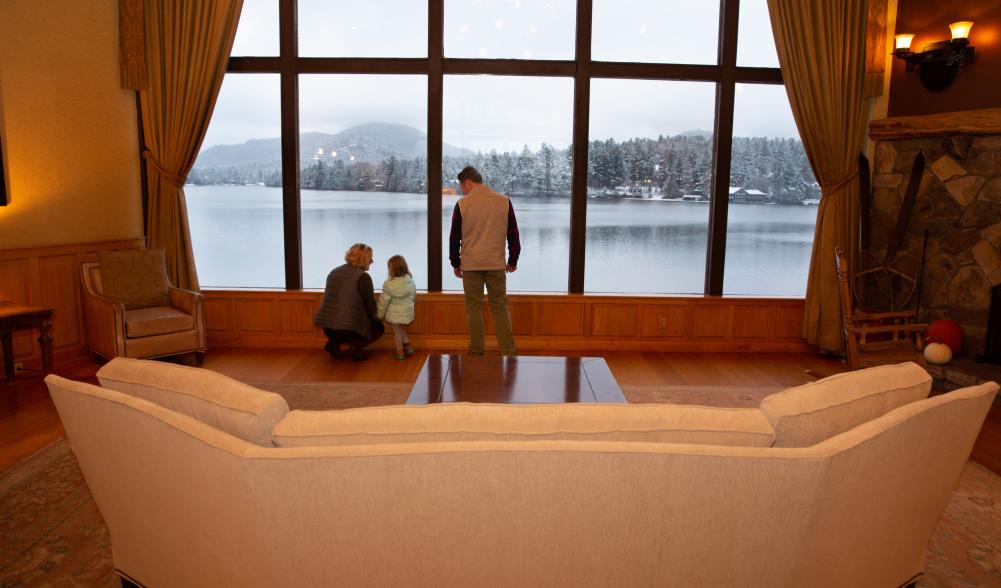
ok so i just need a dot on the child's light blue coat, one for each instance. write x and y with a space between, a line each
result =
396 303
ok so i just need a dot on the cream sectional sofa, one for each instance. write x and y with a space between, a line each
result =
835 483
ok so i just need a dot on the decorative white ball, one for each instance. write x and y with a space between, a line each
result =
938 353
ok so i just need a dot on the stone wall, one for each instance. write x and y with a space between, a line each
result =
959 204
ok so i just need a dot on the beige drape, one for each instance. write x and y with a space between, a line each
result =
187 48
821 46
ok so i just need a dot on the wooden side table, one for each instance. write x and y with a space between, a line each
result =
15 316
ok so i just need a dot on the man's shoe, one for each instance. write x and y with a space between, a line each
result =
357 354
475 353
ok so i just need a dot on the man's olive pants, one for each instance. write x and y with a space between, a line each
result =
496 283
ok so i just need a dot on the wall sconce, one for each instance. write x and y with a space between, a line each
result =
938 63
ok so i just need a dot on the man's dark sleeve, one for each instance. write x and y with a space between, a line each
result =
455 237
513 241
367 293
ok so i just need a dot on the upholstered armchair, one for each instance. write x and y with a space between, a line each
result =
130 308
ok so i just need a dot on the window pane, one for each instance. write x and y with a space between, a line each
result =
510 29
376 28
655 31
772 196
755 43
234 193
517 132
363 152
257 33
649 176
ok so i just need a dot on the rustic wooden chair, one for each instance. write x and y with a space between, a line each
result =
876 338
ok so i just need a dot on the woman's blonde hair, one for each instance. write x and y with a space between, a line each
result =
359 255
398 267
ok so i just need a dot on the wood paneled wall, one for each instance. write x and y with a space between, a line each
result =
50 277
539 321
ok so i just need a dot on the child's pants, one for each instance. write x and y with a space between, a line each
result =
400 336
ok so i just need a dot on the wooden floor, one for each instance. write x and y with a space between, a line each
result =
28 419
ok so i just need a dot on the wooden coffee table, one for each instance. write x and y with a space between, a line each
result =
515 379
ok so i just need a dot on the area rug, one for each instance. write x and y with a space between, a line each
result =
337 395
51 533
722 396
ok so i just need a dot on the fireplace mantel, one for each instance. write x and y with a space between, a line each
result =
967 122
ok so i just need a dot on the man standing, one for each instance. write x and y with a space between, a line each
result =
481 221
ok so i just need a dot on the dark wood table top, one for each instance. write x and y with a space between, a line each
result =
10 309
515 379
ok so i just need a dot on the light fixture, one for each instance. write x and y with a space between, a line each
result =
938 63
961 30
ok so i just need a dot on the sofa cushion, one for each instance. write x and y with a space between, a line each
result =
214 399
808 414
664 423
156 320
137 277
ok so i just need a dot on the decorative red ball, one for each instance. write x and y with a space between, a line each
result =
946 331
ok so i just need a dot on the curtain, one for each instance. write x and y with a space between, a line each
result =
821 46
187 49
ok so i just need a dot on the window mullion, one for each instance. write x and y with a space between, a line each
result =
291 198
581 114
436 32
725 93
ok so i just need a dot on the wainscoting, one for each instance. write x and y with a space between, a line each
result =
540 322
50 277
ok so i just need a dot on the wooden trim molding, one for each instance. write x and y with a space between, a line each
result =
50 276
986 121
570 322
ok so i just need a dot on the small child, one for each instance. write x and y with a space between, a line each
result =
396 303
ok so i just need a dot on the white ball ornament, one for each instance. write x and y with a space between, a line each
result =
938 353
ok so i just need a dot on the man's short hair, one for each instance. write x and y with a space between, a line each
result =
469 173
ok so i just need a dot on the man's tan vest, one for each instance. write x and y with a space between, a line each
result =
484 229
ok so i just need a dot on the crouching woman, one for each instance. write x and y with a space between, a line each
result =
347 314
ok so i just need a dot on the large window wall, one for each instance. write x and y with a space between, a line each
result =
609 123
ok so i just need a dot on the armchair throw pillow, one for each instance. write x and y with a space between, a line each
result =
136 277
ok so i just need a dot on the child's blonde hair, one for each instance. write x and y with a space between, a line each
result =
398 267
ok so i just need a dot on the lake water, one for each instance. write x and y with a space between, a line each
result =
633 246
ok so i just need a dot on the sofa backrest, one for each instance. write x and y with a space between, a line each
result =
463 421
526 513
808 414
217 400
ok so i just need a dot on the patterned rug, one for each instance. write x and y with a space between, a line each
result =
51 533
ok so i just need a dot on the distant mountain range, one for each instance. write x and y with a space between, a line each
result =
370 142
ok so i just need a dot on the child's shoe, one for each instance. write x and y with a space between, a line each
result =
400 356
407 350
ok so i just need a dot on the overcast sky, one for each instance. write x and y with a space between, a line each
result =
502 112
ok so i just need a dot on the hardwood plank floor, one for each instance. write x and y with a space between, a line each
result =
29 422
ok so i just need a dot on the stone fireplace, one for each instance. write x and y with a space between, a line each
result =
958 204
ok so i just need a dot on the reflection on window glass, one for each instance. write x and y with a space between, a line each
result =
234 193
376 28
755 43
510 29
655 31
649 179
363 154
517 132
257 33
773 198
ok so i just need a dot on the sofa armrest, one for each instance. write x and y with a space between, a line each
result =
104 319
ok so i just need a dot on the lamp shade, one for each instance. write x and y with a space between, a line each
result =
902 42
961 29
